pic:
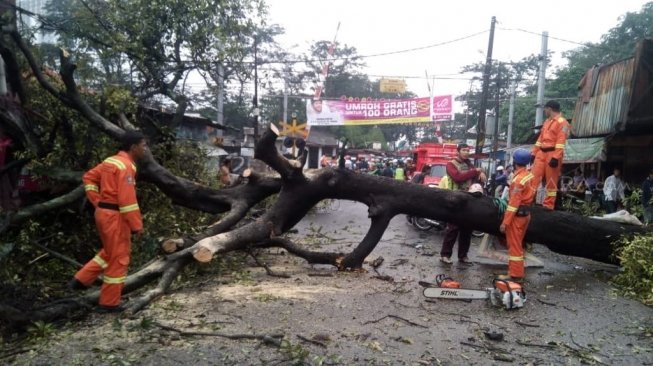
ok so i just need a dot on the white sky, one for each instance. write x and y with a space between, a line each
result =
382 26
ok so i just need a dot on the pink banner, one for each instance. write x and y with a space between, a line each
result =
442 108
363 112
442 104
378 111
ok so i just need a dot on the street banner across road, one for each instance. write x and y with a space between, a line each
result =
351 112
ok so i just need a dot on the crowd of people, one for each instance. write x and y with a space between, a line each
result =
396 168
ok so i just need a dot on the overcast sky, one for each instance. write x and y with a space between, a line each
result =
382 26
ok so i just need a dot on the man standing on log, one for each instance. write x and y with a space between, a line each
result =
462 174
517 215
111 188
548 152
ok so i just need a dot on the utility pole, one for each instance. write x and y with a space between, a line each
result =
467 109
285 99
255 101
495 136
220 117
511 113
3 77
480 127
539 114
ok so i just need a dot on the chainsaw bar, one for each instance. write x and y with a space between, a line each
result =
456 293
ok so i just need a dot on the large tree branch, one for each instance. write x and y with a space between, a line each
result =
40 208
310 256
13 72
36 69
266 151
182 191
66 71
237 212
366 246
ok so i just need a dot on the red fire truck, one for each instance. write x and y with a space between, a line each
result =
437 156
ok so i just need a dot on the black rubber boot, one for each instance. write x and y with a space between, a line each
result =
103 309
75 285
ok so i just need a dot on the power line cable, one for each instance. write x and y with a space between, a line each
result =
586 44
263 62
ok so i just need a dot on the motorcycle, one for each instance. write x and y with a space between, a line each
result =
426 224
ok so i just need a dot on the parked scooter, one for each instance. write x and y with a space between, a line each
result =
426 224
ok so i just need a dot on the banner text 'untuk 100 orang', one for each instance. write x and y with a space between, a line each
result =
373 112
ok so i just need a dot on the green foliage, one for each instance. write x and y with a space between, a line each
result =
71 230
119 100
633 203
40 330
361 136
296 354
266 298
581 207
617 44
636 257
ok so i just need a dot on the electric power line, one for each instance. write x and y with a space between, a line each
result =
43 20
587 44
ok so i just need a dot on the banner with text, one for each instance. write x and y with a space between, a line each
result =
442 108
365 112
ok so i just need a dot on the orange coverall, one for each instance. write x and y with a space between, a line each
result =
522 193
550 144
111 188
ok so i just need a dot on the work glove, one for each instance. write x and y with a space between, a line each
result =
532 159
553 163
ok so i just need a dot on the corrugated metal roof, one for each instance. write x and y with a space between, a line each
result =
609 98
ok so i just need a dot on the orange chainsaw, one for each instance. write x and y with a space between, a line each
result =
507 293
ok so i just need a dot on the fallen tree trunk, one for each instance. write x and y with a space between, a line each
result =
299 191
562 232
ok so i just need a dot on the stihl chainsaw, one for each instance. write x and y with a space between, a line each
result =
507 293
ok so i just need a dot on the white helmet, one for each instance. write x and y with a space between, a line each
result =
500 167
475 188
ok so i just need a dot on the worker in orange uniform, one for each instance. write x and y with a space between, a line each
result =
548 152
111 188
517 216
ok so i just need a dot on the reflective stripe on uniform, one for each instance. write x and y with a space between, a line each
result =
560 146
511 209
515 258
101 262
134 167
91 187
114 280
128 208
528 177
116 162
551 193
538 144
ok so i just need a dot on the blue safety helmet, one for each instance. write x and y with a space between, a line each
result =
521 157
